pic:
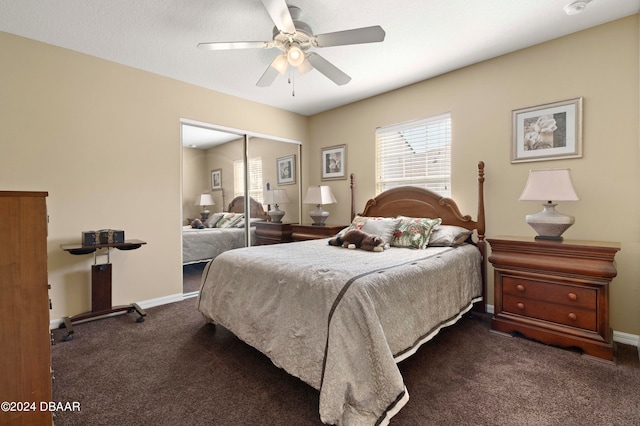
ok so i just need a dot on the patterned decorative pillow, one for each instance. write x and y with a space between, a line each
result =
384 227
448 236
229 220
212 220
414 232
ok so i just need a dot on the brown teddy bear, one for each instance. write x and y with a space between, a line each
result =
356 238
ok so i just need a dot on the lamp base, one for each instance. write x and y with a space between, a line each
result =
204 215
319 216
549 223
276 214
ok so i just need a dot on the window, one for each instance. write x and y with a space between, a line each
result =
416 153
255 174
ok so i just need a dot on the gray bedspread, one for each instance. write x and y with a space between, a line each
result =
340 319
200 245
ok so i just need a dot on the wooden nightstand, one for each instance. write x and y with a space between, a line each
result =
272 233
310 232
554 292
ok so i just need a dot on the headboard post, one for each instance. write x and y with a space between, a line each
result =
481 223
482 245
353 201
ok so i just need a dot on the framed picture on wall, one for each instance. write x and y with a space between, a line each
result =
547 132
216 179
334 162
286 169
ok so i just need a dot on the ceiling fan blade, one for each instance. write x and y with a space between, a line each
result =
236 45
268 76
279 12
328 69
356 36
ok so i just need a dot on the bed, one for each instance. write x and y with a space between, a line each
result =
342 319
202 245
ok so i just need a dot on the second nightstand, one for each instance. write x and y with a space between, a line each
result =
310 232
272 233
554 292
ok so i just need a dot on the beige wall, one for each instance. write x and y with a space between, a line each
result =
600 64
195 181
104 140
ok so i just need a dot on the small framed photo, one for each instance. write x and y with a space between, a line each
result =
286 167
547 132
334 162
216 179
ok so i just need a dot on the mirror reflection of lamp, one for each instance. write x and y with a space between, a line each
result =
275 197
319 195
204 200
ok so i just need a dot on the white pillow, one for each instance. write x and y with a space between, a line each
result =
448 236
384 227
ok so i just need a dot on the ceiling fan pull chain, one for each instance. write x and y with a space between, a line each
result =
292 82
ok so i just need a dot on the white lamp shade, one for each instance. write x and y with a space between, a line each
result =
276 196
204 200
319 195
549 185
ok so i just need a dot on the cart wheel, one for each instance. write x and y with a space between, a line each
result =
68 337
140 319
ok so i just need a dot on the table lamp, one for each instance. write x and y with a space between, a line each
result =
319 195
204 200
550 185
275 197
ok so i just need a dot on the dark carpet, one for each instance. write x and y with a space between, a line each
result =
174 369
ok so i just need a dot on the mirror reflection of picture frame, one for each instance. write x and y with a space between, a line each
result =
334 162
547 132
286 170
216 179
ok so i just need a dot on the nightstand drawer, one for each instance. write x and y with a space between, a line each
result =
574 317
573 296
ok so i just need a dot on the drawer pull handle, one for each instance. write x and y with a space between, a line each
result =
572 316
520 288
572 296
520 306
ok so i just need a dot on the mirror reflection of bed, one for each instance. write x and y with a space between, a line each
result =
205 148
221 232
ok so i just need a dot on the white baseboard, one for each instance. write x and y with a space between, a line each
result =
618 336
145 304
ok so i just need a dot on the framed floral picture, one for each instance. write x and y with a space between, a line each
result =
216 179
334 162
547 132
286 168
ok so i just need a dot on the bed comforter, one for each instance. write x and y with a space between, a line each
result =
199 245
341 319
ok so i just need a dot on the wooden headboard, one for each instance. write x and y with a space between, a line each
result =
418 202
255 208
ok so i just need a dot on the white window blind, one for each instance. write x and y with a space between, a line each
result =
416 153
255 175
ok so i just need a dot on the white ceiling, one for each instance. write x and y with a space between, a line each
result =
424 38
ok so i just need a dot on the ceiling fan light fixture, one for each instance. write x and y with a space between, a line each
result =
295 55
280 63
305 66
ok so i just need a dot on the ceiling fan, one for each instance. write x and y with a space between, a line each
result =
294 38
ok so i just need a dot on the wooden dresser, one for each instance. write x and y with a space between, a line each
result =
25 363
554 292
